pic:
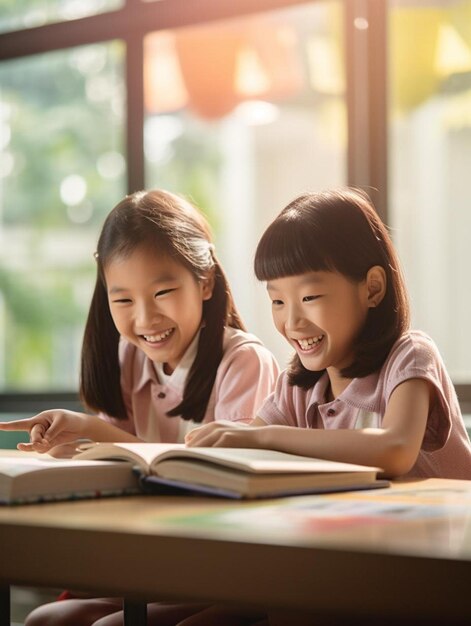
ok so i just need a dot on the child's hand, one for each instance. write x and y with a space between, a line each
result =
49 429
225 435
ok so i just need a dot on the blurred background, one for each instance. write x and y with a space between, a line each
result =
241 105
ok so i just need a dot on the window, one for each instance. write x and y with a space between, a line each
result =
241 115
62 166
100 98
16 15
430 161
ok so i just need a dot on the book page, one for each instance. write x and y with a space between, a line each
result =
255 460
141 454
260 460
16 465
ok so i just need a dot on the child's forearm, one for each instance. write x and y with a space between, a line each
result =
369 446
394 450
101 430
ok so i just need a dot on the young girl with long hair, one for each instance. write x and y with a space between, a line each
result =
361 387
164 349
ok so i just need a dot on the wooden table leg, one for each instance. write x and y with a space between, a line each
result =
4 606
135 613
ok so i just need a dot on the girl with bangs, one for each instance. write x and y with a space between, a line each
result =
361 387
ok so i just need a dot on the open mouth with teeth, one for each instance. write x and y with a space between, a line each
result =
310 342
154 339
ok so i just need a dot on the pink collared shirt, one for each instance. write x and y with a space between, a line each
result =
445 450
245 377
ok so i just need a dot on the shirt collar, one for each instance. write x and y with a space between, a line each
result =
178 377
318 395
360 393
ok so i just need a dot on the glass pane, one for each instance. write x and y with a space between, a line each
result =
242 116
10 440
430 165
62 168
18 14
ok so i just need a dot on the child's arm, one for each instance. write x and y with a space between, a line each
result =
394 447
58 426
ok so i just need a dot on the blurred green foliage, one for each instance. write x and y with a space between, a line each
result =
17 14
61 111
63 114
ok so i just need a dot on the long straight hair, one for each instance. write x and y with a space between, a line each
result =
170 226
338 231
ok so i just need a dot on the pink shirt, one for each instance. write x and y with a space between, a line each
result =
245 377
445 450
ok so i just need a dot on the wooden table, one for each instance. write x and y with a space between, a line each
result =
400 554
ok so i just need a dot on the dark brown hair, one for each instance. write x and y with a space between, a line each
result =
171 226
338 231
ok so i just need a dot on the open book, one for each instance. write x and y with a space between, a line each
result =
98 470
33 477
233 472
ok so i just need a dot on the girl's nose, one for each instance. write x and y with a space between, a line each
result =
295 319
147 314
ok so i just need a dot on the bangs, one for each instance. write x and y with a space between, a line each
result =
288 248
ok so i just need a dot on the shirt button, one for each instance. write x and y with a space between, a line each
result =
330 412
161 395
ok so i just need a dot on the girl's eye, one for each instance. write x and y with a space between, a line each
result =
121 301
277 302
163 292
310 298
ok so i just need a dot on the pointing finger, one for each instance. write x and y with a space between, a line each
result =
24 424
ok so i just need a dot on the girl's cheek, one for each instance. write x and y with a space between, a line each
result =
278 323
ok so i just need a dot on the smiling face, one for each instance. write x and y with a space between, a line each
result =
156 303
320 314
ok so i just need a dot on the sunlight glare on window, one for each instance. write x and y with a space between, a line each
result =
360 23
75 9
73 189
5 135
7 164
80 214
89 60
165 128
111 165
257 112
